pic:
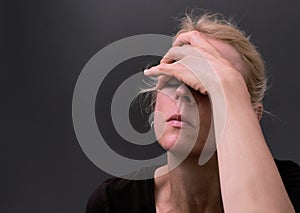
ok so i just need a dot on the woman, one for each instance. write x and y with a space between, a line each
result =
212 76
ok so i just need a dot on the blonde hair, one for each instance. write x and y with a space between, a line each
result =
215 26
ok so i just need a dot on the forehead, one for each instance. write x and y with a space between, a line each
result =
230 54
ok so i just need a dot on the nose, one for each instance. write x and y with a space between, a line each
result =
184 94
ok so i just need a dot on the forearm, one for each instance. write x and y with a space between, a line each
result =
250 181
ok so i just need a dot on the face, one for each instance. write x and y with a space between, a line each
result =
183 115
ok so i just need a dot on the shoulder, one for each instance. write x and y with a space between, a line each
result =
290 175
121 194
289 171
106 194
286 164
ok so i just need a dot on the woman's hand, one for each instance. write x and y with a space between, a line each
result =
198 64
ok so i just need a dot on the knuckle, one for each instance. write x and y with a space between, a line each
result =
162 66
195 33
179 37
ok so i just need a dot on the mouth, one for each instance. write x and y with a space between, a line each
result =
178 121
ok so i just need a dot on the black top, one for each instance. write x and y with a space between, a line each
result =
117 195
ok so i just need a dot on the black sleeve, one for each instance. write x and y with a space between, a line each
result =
290 174
117 195
97 202
120 195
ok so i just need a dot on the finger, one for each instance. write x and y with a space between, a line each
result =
167 60
195 39
173 70
201 70
162 81
180 72
179 52
174 54
160 69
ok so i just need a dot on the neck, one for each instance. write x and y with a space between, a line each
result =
190 186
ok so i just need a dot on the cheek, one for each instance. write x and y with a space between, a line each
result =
162 110
163 103
168 137
159 125
205 113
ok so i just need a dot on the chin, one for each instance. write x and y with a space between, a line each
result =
181 144
168 141
177 140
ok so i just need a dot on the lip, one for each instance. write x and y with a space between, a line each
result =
178 121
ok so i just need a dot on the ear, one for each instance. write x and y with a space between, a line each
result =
258 109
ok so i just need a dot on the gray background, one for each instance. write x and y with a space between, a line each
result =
47 43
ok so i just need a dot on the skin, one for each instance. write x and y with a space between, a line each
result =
241 176
186 102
